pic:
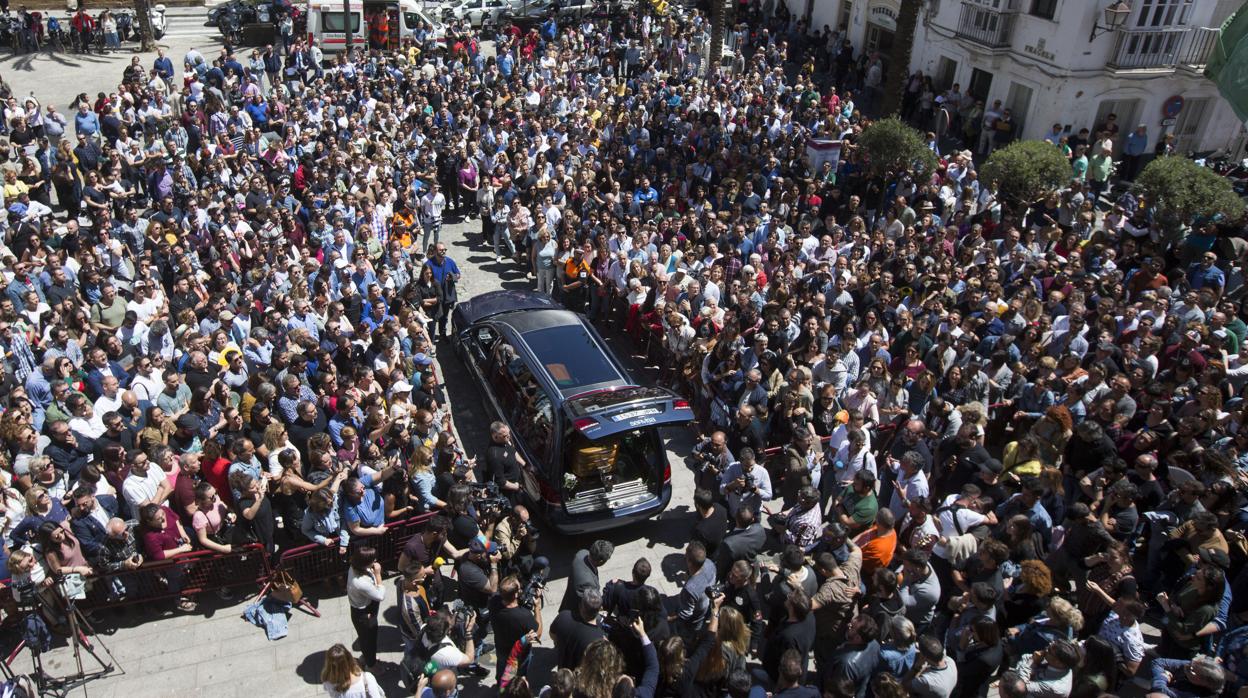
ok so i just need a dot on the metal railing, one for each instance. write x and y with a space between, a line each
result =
1162 48
986 26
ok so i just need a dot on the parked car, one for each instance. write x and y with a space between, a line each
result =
481 14
525 15
594 456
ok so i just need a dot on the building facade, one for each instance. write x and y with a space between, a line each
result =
1037 58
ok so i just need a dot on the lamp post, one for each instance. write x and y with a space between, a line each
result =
1115 16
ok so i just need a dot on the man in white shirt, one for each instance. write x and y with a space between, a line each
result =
957 515
146 484
110 399
431 206
85 421
911 482
145 304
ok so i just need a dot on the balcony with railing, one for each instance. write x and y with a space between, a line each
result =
987 26
1163 49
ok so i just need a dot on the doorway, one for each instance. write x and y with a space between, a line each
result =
1188 127
880 39
946 73
980 85
1018 101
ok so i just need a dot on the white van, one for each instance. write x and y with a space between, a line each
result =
382 24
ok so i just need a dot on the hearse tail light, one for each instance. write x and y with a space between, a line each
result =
585 424
680 404
667 472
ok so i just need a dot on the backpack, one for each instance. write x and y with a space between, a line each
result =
955 508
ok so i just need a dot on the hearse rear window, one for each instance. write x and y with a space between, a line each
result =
570 357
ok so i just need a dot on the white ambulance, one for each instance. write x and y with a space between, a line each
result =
381 25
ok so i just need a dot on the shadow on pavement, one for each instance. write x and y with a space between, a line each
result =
310 668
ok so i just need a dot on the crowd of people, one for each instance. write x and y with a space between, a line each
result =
951 442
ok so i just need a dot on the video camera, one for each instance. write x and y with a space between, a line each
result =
706 459
536 583
461 615
489 502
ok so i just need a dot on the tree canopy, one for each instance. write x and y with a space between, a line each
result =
1026 170
1183 192
892 146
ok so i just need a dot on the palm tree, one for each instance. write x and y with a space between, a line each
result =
144 18
899 58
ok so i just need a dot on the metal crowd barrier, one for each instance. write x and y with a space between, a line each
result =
185 575
204 571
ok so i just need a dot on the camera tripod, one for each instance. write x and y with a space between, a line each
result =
82 636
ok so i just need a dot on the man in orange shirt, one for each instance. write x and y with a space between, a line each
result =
402 223
878 543
578 278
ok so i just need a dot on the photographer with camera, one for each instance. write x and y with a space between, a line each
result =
512 621
711 457
512 535
421 554
477 573
745 484
437 649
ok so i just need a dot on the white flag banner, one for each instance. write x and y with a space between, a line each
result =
821 150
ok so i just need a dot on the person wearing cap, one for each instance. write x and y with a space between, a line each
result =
478 576
402 411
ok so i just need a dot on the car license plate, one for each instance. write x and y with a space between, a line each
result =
634 414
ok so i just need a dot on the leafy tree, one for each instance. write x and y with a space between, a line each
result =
891 146
1182 191
1026 170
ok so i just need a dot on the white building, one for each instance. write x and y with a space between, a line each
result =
1036 57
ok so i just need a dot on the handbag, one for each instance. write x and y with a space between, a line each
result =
283 587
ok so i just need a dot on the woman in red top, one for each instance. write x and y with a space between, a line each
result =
215 470
163 537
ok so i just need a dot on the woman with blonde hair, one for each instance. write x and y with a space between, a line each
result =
343 677
423 480
1060 621
599 670
40 507
276 440
734 636
1052 431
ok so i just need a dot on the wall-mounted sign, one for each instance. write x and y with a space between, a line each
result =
1038 50
1171 107
884 14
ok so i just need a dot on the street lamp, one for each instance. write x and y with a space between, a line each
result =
1115 16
